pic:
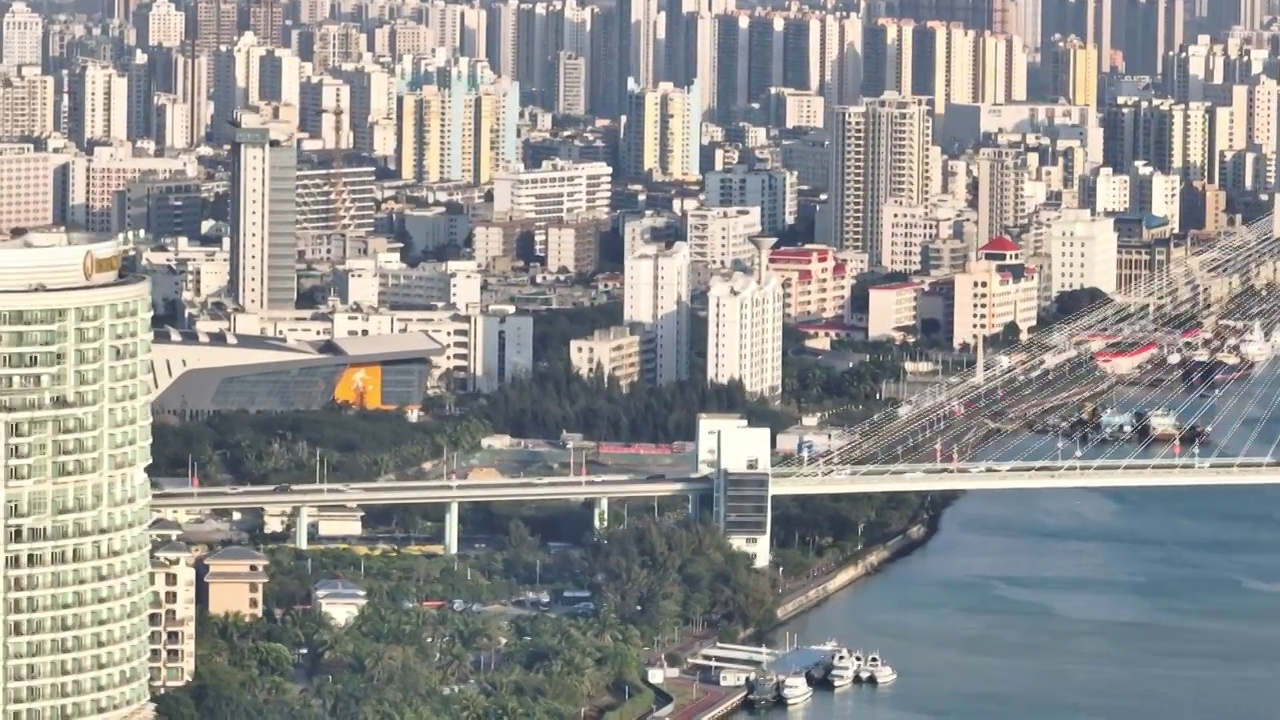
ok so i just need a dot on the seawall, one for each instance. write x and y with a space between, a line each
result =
912 538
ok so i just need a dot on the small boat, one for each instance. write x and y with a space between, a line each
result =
763 691
875 671
795 689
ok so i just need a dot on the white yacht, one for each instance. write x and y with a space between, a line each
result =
844 668
876 671
795 689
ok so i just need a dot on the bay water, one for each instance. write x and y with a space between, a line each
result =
1157 603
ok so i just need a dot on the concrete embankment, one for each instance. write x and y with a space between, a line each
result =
909 540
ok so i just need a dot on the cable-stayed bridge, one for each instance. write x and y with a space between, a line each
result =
1197 407
1205 394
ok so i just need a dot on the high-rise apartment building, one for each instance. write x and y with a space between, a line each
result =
948 62
26 105
993 15
21 37
662 133
774 191
160 24
656 295
98 104
461 128
720 237
638 43
748 53
1173 137
266 21
570 95
744 332
1072 68
880 150
77 571
212 24
264 181
1146 31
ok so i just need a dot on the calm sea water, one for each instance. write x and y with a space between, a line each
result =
1047 604
1072 604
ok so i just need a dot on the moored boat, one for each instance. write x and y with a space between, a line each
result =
795 689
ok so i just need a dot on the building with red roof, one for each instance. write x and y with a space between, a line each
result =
996 288
815 282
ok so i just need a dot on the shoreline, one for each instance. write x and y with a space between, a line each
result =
819 591
849 573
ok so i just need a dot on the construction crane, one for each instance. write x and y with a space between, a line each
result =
341 211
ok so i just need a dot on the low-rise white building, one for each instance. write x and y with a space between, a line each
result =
557 191
374 282
339 600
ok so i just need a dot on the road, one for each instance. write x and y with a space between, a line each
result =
816 480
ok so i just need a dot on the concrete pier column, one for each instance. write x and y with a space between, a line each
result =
451 529
600 519
695 505
301 518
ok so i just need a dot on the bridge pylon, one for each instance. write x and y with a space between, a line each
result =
738 459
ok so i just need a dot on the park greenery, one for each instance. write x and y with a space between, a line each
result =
653 576
399 659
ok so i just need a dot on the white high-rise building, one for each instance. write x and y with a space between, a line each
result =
98 104
662 133
720 237
159 24
657 296
264 181
879 150
640 41
744 332
21 37
77 575
772 191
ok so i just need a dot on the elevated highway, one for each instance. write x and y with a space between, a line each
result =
813 481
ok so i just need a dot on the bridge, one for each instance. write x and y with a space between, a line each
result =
1028 416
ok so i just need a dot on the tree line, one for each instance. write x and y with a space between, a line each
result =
399 660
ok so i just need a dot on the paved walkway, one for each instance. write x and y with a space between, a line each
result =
708 697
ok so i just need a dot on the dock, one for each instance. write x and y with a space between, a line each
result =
735 657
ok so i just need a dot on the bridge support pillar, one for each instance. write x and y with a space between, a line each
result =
695 505
600 518
451 529
301 519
